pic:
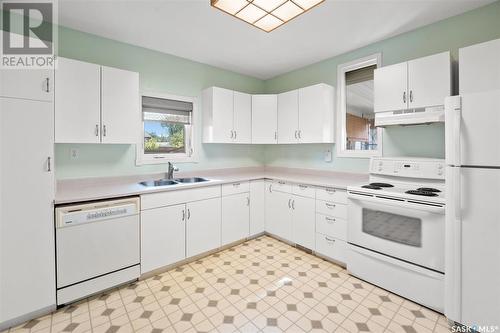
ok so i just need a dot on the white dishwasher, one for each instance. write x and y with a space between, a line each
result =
97 247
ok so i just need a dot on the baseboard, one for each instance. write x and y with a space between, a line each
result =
24 318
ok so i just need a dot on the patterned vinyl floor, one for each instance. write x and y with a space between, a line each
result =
262 285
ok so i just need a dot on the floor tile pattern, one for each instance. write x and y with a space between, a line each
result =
262 285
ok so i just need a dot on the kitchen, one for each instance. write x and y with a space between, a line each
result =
171 191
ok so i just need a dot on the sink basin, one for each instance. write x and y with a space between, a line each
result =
159 182
191 180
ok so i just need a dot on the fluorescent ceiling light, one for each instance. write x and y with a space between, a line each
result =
265 14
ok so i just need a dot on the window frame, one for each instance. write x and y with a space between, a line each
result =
342 69
190 156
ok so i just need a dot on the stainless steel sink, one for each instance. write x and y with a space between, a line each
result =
191 180
159 182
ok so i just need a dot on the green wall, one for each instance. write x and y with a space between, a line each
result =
473 27
166 73
159 72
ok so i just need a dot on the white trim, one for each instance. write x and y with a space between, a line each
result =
374 59
191 135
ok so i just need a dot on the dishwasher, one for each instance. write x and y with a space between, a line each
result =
97 247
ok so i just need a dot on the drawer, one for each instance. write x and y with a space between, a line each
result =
330 247
331 194
332 209
304 190
175 197
331 226
235 188
281 186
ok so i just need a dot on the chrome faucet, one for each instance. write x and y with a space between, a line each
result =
171 169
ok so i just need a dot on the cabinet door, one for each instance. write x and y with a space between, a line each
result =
26 207
77 102
429 80
235 217
121 108
391 87
203 226
264 119
162 237
257 207
479 68
316 114
303 221
242 118
288 117
35 84
278 214
218 115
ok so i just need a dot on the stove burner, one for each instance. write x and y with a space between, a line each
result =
381 185
372 187
423 193
428 189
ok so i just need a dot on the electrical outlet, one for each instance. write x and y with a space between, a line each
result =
328 155
74 153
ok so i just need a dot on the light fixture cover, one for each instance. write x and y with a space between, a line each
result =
265 14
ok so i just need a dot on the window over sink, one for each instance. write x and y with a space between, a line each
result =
358 136
167 129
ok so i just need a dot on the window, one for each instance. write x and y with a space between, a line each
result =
167 123
358 136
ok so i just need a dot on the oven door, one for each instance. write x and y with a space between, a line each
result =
408 230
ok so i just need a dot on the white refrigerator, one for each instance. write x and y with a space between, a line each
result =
472 263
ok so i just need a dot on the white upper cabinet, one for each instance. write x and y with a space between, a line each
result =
429 80
419 83
264 119
316 114
27 84
242 118
479 68
120 105
288 117
95 104
77 102
227 116
391 85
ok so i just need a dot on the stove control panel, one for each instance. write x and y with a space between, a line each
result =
405 167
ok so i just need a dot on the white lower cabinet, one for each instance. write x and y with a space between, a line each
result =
303 212
278 213
257 207
235 217
203 225
163 237
331 247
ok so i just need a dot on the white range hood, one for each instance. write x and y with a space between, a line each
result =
410 116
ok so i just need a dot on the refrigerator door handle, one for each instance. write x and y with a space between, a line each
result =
456 130
456 193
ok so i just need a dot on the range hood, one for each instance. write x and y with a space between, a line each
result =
427 115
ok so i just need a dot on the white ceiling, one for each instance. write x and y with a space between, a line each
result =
193 29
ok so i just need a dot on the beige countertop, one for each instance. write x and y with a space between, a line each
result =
88 189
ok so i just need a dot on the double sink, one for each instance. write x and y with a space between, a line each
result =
176 181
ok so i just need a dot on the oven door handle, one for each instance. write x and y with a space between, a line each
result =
431 208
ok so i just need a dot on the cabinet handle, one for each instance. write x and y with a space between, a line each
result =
104 130
183 215
231 134
270 188
303 186
289 203
235 134
330 190
49 167
299 133
329 219
295 134
329 240
248 201
275 135
236 184
189 214
404 96
96 131
190 152
411 96
47 85
329 205
293 204
281 182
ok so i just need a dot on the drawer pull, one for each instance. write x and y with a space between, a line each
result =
281 182
329 205
303 186
236 184
330 190
329 219
330 240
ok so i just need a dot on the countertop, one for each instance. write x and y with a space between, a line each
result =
88 189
